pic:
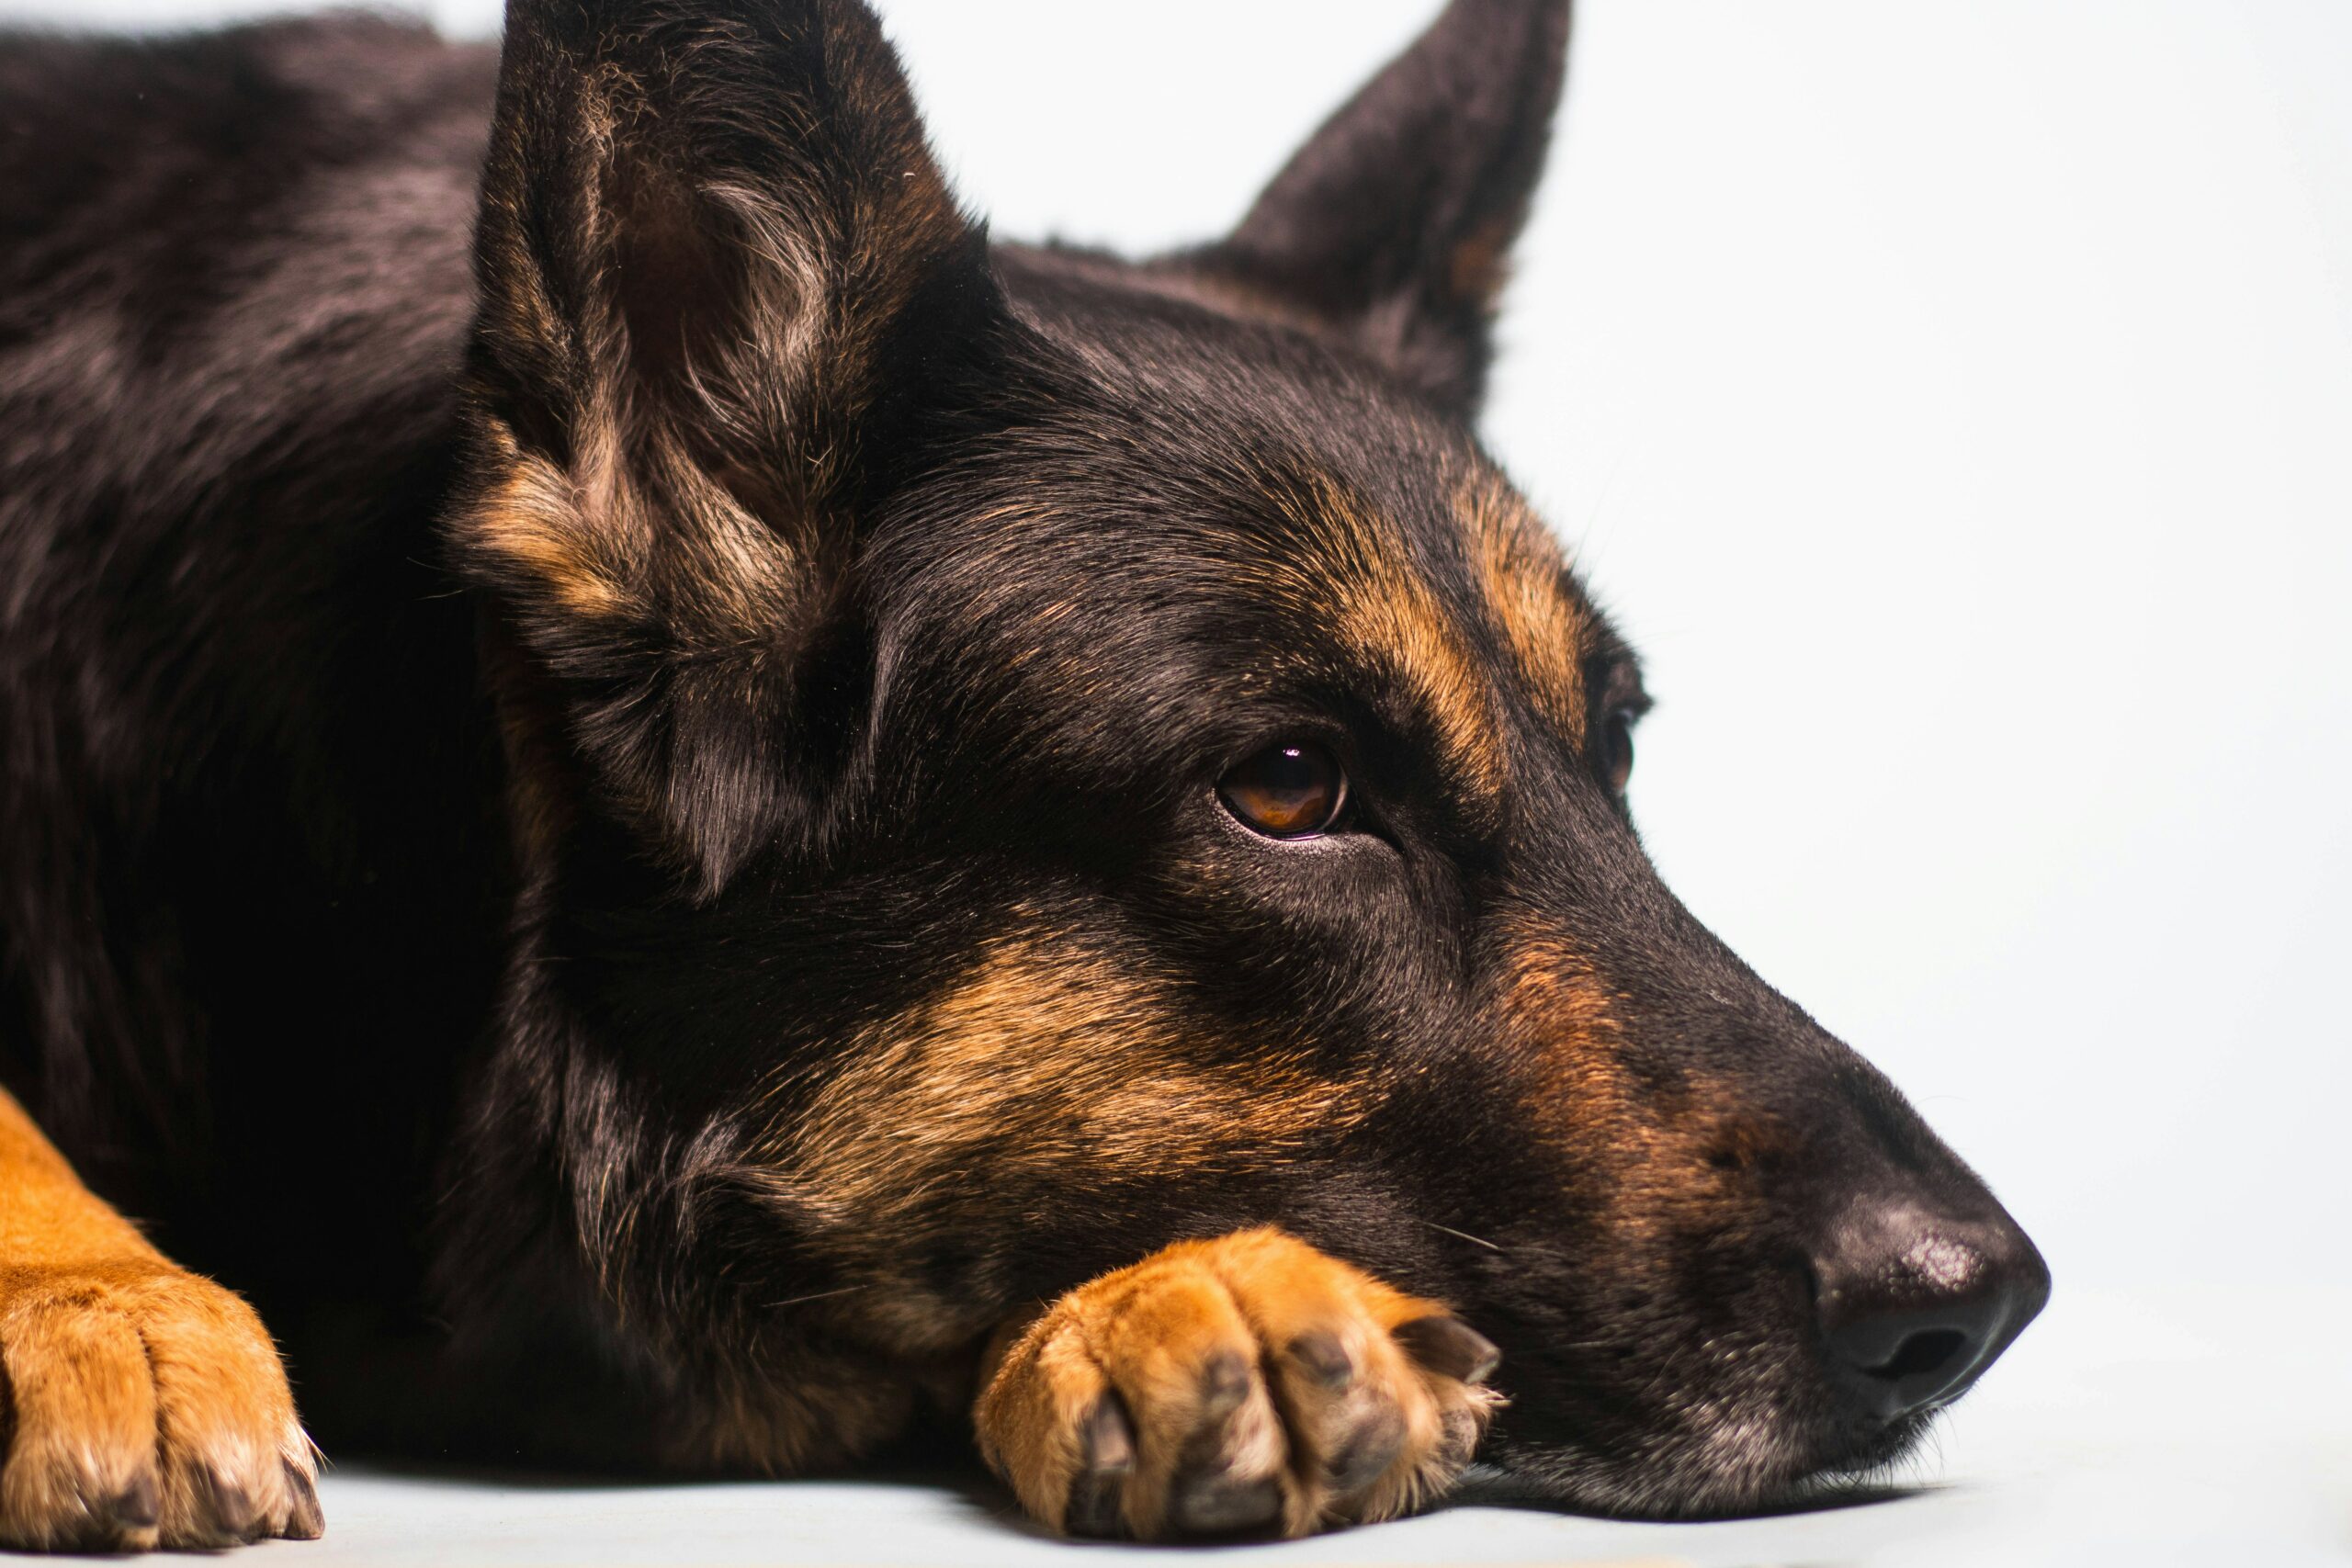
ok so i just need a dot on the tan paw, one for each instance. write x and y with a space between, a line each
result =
141 1406
1248 1384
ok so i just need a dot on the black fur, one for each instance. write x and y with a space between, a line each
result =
435 924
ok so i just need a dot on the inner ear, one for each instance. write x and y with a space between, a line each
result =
677 281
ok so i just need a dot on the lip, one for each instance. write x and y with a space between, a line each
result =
1634 1489
1784 1444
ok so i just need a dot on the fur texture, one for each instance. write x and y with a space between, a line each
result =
613 722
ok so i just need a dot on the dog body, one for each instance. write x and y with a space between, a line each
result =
688 817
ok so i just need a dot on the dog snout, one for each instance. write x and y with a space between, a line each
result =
1914 1301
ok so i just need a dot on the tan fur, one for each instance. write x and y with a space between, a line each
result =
128 1378
1555 1000
1152 1330
1044 1060
587 543
1657 1156
526 519
1550 988
1388 620
1524 578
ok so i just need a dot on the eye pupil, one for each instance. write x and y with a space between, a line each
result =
1285 791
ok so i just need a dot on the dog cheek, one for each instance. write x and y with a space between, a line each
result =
977 1128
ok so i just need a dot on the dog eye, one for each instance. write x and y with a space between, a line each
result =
1617 750
1285 791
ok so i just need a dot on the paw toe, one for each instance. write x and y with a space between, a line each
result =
305 1520
1107 1456
1363 1452
144 1407
1220 1503
1448 1347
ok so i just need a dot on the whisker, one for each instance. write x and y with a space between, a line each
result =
815 1296
1466 1235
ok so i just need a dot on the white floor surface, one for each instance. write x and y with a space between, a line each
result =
2208 1428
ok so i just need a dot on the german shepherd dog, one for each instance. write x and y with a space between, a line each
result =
695 819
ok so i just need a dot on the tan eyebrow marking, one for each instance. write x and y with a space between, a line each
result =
1521 571
1387 616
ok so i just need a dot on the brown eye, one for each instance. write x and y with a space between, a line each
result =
1285 791
1617 751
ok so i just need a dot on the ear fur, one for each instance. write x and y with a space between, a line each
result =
712 241
1392 226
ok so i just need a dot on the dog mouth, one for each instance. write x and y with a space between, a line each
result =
1741 1467
1744 1389
1754 1415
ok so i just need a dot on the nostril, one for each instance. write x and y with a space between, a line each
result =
1913 1304
1919 1355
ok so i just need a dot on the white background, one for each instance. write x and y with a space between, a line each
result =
1955 403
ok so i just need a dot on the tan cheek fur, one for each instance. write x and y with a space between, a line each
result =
1655 1155
1044 1061
1556 1005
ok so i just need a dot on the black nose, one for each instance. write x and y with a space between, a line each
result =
1914 1304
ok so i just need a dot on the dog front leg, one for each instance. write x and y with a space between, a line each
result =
141 1405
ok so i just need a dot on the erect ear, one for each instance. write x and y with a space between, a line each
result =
714 257
1392 226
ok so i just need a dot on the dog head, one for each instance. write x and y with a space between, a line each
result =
1022 757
